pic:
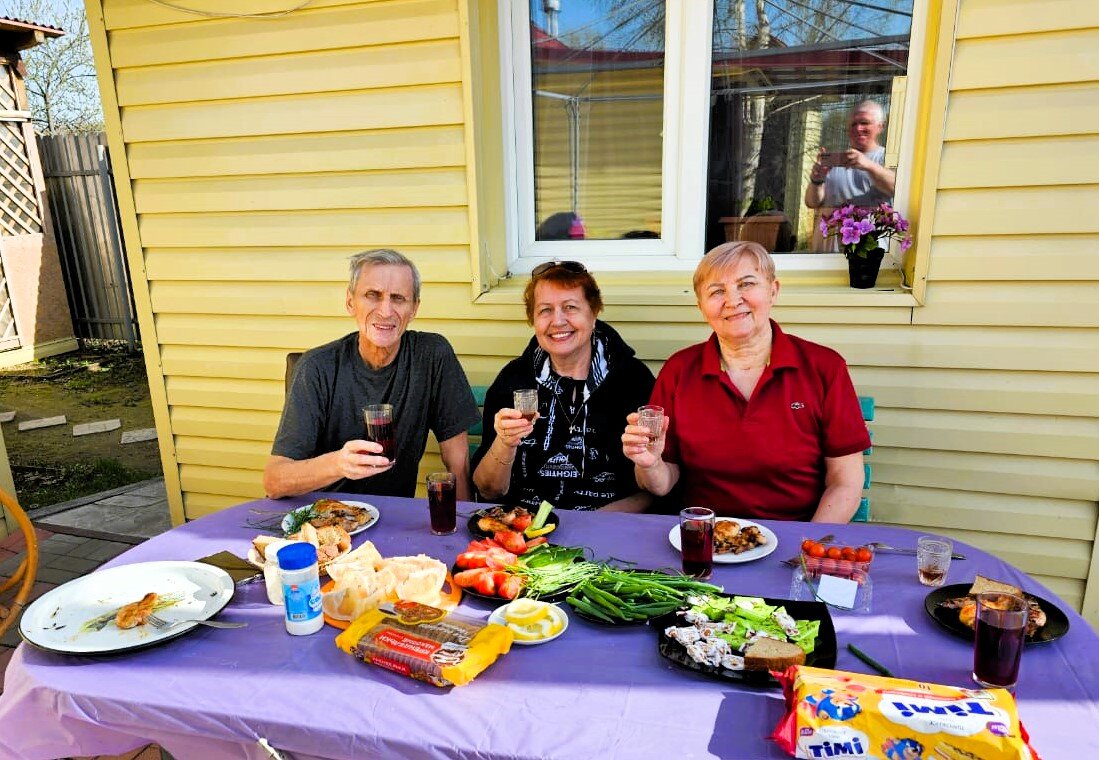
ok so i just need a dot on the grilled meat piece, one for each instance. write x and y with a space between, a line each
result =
136 613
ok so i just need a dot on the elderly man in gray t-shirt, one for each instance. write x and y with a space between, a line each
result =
320 445
856 175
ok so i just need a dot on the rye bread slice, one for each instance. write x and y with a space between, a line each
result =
770 654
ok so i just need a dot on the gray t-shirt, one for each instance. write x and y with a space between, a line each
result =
331 385
843 185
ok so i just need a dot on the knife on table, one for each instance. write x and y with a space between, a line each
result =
902 550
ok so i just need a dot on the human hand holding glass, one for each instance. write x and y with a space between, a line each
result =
512 426
643 439
380 428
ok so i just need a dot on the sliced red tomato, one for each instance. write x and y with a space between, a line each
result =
521 521
535 541
511 540
511 587
485 583
468 578
472 559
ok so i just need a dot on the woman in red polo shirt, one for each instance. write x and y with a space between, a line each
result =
760 424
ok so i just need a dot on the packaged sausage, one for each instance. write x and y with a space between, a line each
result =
831 713
425 643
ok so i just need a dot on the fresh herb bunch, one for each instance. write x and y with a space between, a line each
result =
298 518
862 229
627 596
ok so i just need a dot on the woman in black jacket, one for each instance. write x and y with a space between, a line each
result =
588 380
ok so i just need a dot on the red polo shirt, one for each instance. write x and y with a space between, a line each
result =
762 457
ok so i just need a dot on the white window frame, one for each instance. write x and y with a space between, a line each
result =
687 70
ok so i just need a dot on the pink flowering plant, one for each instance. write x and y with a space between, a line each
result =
862 229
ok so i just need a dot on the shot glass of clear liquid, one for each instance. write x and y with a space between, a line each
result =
651 417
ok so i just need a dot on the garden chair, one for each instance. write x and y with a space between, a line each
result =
23 577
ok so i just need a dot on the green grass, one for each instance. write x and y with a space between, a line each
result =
41 485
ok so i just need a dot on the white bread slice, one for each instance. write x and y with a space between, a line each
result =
771 654
982 585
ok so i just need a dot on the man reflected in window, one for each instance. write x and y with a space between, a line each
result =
858 174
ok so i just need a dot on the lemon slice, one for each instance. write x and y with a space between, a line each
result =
542 629
525 612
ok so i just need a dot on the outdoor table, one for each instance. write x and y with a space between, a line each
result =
594 692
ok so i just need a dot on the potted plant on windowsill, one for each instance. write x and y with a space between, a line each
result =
864 232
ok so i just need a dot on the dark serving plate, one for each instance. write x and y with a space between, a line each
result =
1056 621
476 532
823 656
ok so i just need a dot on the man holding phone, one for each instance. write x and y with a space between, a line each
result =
857 175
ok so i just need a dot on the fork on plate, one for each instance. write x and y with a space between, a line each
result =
161 624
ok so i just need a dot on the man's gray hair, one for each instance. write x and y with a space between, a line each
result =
382 257
872 106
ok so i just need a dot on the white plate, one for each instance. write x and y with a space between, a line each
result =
374 515
497 617
728 558
56 619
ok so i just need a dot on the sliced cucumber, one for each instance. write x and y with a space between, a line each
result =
540 518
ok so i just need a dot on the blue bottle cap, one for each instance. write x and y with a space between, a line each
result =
297 556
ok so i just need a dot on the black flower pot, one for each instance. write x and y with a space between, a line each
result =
863 272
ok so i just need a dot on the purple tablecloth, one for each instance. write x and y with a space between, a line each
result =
594 692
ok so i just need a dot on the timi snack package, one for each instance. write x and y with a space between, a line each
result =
425 643
831 713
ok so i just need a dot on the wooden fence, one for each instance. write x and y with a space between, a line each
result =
80 190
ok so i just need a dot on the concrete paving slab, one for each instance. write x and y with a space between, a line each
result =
41 423
57 575
74 564
108 519
127 500
106 550
88 428
133 436
7 416
153 487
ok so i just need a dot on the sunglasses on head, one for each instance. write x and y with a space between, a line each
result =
568 266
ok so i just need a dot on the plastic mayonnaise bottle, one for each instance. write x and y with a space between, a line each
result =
301 588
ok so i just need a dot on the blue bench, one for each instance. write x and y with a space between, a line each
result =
862 514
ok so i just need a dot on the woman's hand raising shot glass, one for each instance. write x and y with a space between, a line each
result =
512 425
643 439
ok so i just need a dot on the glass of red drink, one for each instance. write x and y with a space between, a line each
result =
998 639
526 402
696 537
442 503
379 428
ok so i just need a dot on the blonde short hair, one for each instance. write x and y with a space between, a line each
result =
726 255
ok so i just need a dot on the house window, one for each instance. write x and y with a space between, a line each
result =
648 131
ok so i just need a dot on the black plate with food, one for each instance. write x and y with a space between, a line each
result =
504 516
822 656
941 604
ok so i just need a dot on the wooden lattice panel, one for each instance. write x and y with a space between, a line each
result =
9 101
9 338
18 199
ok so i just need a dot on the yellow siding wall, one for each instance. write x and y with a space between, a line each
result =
260 154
